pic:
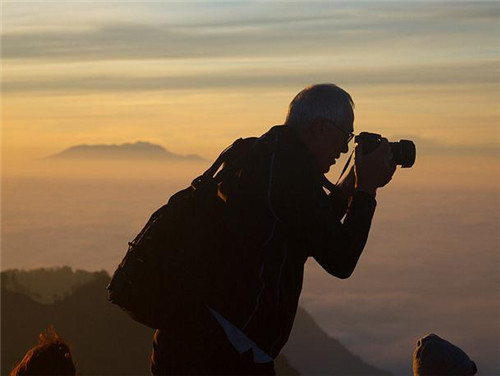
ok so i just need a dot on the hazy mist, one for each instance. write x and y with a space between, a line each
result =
431 264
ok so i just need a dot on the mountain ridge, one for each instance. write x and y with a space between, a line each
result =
143 150
106 341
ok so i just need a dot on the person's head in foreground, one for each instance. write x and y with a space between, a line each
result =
50 357
436 356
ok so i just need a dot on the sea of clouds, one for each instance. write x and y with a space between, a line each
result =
431 263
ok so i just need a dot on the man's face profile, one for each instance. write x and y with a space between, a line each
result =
328 141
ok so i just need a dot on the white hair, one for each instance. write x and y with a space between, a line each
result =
321 101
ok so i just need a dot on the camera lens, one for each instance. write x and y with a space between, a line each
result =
403 153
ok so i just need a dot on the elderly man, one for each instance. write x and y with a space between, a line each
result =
280 215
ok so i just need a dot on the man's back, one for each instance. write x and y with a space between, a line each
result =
266 266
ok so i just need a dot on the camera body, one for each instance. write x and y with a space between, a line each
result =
403 151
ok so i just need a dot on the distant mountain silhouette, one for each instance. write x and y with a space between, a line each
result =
313 352
46 285
139 150
105 341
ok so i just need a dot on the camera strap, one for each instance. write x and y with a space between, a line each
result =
345 168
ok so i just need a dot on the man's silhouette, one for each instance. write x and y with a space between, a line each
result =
279 216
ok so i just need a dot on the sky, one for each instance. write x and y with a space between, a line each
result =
193 76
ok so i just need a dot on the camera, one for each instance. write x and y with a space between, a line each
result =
403 151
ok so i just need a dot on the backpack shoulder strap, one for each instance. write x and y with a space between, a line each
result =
230 159
235 155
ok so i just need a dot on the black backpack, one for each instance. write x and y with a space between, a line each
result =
171 265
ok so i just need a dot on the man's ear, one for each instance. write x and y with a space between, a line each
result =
316 129
313 133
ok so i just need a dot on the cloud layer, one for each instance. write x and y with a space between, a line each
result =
252 29
468 73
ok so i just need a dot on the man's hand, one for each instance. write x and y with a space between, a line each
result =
374 170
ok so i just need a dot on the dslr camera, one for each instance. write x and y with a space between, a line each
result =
403 151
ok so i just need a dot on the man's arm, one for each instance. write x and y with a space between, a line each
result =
338 249
368 174
314 219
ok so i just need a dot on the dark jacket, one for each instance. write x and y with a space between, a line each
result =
279 216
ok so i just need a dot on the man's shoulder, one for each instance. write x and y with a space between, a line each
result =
292 156
279 151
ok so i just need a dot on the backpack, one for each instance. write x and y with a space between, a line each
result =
171 265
